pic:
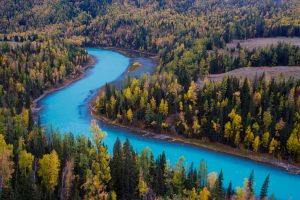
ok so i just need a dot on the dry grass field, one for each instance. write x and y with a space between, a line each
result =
263 42
252 72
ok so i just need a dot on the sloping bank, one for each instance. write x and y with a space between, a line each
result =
147 66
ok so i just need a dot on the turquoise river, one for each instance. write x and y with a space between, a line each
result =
68 110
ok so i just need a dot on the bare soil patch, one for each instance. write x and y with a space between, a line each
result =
253 72
263 42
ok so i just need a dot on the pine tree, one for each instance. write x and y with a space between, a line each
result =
229 191
264 189
250 185
203 174
218 188
161 174
116 167
130 172
190 182
245 97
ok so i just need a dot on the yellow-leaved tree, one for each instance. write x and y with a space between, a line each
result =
98 176
6 163
129 115
102 155
49 166
25 162
249 137
142 186
204 194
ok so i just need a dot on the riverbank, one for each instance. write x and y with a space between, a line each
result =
131 52
67 110
147 62
262 158
91 61
217 147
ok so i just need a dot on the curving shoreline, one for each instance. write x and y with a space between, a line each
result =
91 61
216 147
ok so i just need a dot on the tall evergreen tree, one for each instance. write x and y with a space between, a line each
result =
229 191
130 172
250 185
264 189
202 174
116 167
218 192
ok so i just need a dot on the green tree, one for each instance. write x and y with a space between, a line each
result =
264 189
117 167
250 186
130 172
218 192
203 171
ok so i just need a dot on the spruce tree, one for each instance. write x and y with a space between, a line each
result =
218 189
130 172
264 188
162 174
230 191
250 185
202 174
116 167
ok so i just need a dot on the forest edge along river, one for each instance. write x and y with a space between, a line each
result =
67 109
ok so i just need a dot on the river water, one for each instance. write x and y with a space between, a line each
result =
67 110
